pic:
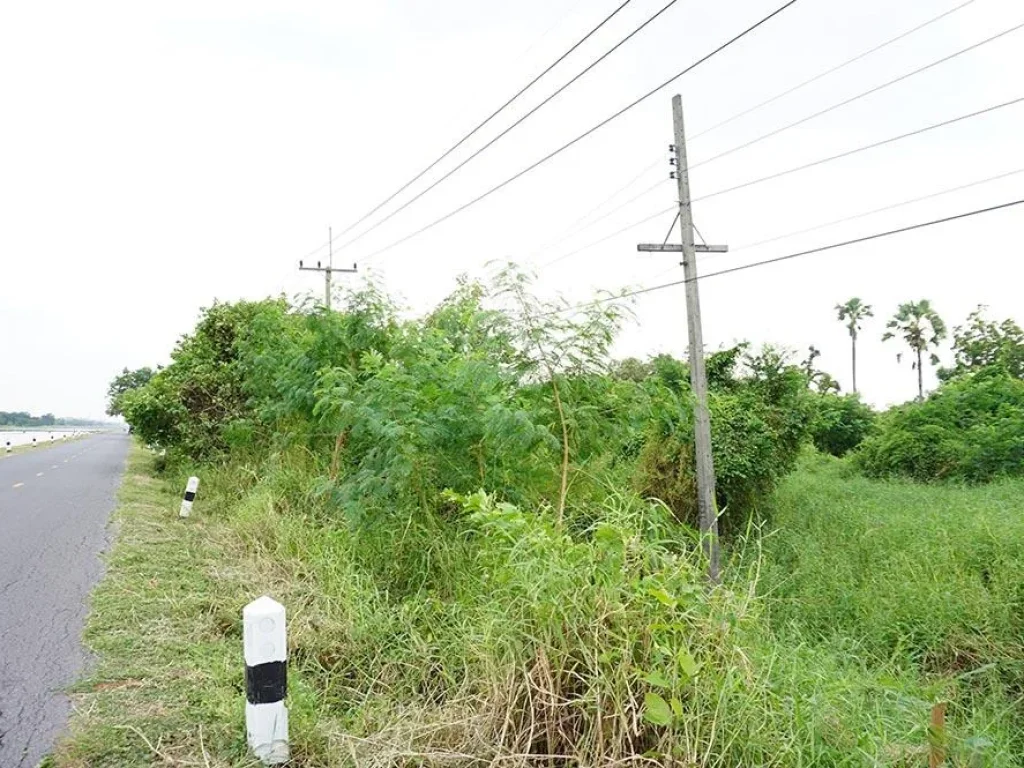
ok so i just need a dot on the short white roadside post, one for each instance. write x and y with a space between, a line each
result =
8 446
190 495
33 442
266 680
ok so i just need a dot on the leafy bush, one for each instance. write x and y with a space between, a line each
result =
190 404
971 429
840 423
493 389
759 420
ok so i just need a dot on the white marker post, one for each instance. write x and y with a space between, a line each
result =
266 680
33 442
8 446
190 496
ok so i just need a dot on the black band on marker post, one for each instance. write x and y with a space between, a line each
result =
266 683
190 495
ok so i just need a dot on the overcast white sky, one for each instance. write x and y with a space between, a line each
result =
156 156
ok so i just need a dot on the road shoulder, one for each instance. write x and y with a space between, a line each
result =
164 628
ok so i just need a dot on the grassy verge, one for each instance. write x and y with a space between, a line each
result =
494 638
928 578
166 685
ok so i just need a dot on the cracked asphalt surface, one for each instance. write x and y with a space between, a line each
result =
54 507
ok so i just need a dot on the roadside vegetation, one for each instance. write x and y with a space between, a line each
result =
483 529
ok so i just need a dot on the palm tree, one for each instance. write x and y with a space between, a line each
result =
921 327
853 312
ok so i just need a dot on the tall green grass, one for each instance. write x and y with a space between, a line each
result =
929 578
486 634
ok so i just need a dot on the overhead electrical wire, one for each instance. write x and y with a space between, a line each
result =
734 117
789 256
864 148
776 238
602 217
858 96
874 211
613 195
583 135
575 229
606 238
486 120
509 129
762 137
831 70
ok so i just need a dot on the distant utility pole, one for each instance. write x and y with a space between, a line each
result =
698 374
328 270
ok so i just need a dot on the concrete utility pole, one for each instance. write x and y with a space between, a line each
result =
698 375
328 270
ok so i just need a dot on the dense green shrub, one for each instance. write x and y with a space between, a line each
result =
491 390
840 423
190 404
971 429
760 411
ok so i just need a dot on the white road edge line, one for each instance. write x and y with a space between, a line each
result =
39 474
17 485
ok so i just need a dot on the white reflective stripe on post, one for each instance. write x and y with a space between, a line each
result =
266 680
190 494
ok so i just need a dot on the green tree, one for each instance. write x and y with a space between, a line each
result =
981 343
921 328
853 313
124 382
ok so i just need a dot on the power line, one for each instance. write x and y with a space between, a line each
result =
829 71
574 229
615 194
510 128
583 135
850 152
867 238
602 217
859 96
873 211
569 11
606 238
798 254
768 135
488 119
776 238
745 112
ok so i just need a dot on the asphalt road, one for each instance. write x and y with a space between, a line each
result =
54 506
